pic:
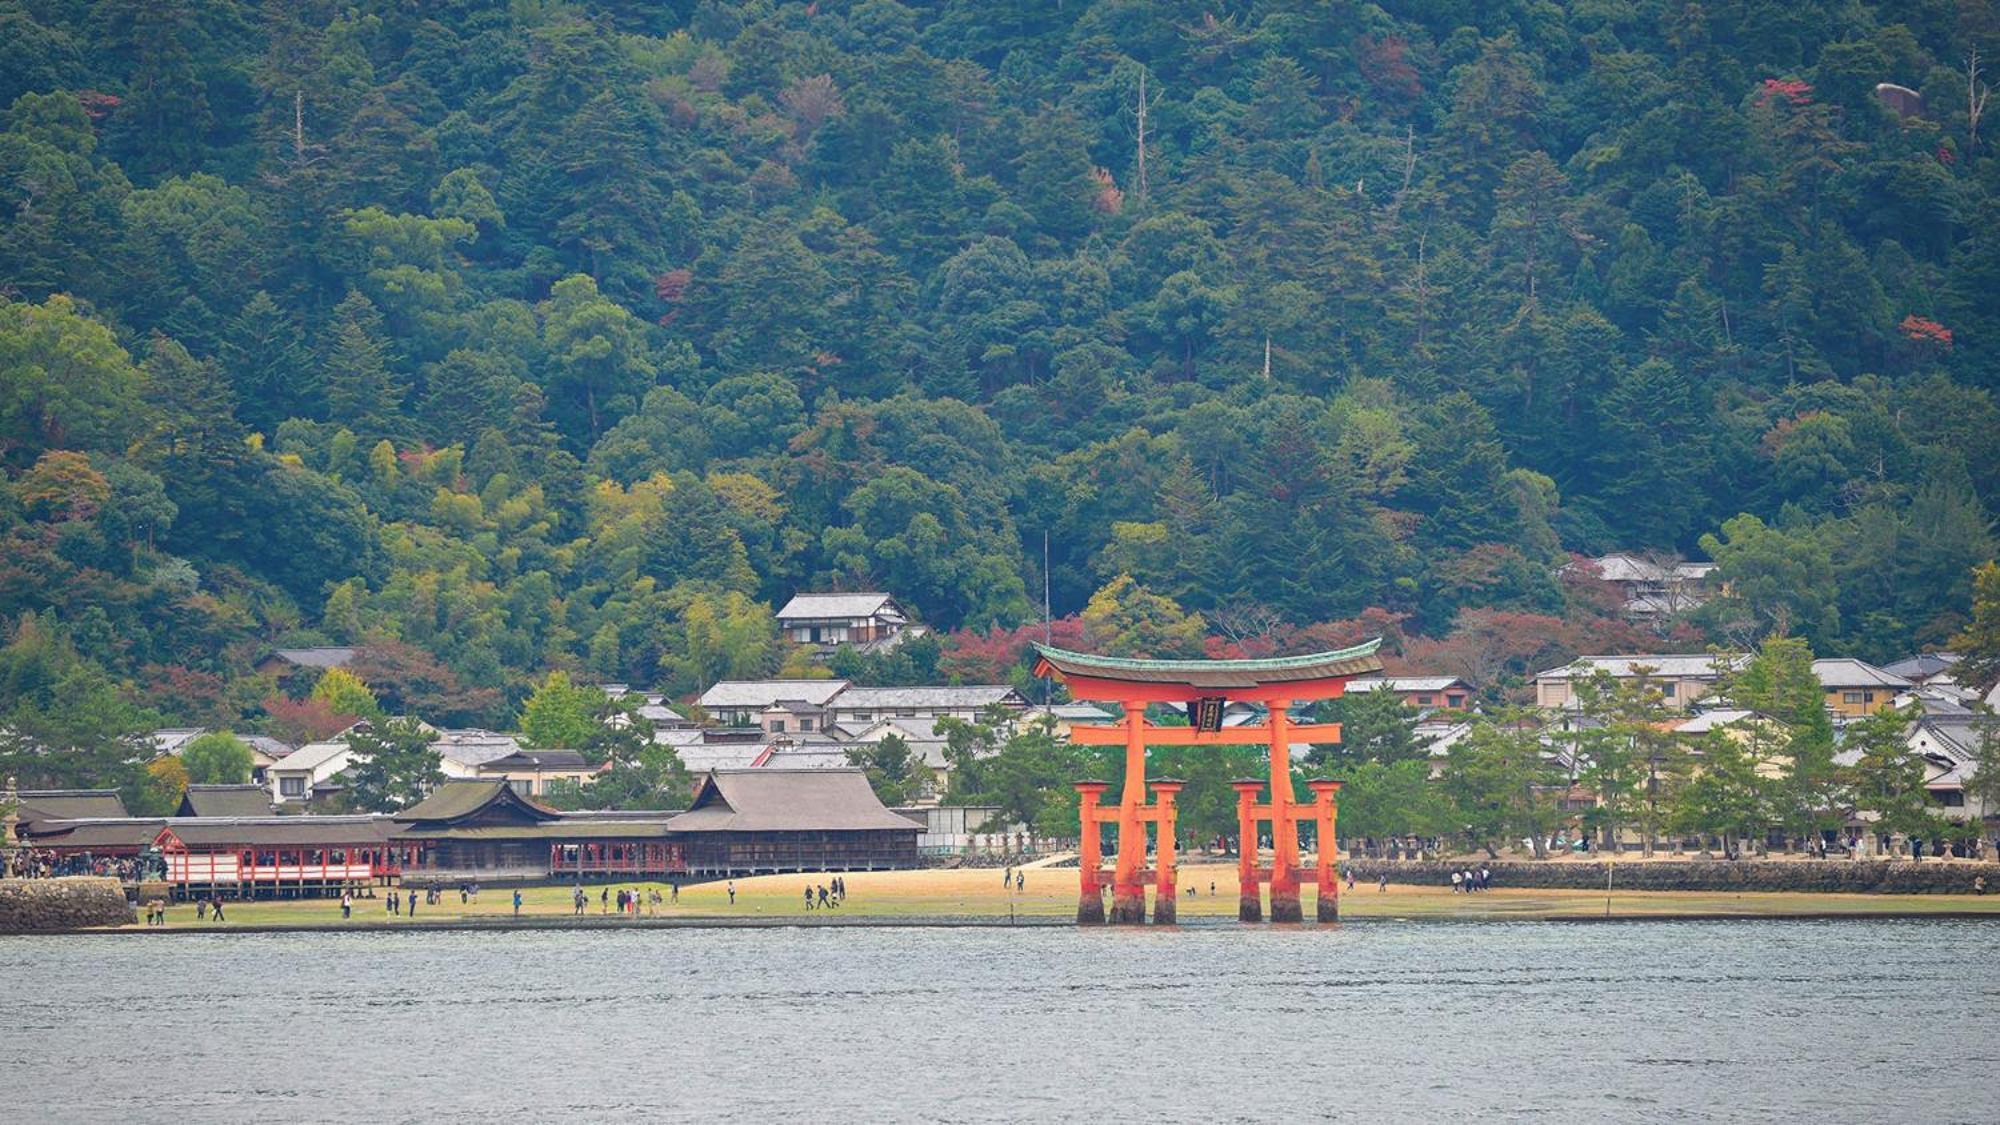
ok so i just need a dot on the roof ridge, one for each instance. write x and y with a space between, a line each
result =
1239 664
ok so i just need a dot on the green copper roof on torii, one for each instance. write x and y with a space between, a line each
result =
1355 661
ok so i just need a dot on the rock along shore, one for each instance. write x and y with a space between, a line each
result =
1833 876
41 906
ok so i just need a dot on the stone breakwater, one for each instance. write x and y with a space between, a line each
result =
34 906
1833 876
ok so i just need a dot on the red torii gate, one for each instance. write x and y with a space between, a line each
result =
1206 687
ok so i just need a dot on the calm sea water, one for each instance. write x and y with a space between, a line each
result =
1689 1021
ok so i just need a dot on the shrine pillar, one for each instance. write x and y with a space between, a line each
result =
1326 807
1166 904
1128 894
1250 900
1284 821
1090 846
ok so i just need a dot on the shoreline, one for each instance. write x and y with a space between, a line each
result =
982 922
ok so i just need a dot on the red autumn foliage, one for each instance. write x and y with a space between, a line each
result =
299 721
190 694
1791 89
974 657
408 680
1923 330
1384 63
97 103
672 285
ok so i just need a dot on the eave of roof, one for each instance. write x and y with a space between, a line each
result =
1353 661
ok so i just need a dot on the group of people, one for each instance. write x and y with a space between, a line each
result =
830 896
33 863
1014 879
1469 879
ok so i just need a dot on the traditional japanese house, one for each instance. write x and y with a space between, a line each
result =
775 820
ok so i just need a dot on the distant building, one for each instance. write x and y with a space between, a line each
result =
265 751
859 706
1926 668
1681 679
871 622
531 772
1653 588
1425 693
284 660
1855 687
742 703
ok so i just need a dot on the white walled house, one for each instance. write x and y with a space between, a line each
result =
872 622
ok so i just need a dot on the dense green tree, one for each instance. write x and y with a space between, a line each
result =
393 766
217 758
561 714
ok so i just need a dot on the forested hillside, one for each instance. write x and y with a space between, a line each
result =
504 338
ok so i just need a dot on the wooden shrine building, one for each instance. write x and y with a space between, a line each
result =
776 820
1206 687
487 830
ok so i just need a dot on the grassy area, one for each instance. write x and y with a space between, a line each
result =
1051 893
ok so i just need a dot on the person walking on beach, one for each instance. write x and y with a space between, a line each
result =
1350 878
732 892
1456 879
809 896
1007 878
216 905
201 910
517 902
653 901
604 901
1383 884
346 905
410 904
822 896
674 890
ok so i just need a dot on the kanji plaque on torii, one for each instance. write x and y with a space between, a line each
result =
1206 687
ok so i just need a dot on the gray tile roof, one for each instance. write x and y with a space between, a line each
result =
735 695
820 607
1845 672
777 800
927 698
1664 665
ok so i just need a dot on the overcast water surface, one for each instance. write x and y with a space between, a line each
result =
1376 1021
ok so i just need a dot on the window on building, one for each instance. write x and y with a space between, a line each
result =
805 724
1951 798
1850 697
906 712
777 726
1667 690
1424 700
291 786
864 715
521 786
1867 697
1454 701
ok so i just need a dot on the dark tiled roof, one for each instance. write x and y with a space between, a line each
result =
70 804
457 800
288 831
115 834
225 800
768 800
